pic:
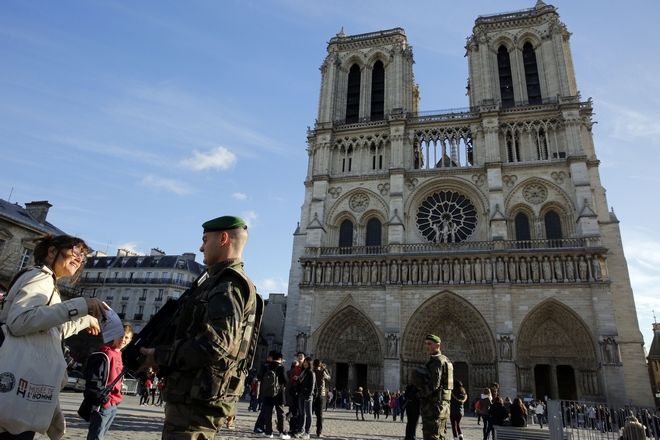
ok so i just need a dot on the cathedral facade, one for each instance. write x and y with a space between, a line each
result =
488 225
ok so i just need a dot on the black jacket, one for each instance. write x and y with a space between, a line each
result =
306 383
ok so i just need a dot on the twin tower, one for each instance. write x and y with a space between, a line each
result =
487 226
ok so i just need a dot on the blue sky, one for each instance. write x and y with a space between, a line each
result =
140 120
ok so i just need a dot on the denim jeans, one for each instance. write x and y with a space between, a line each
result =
99 422
305 413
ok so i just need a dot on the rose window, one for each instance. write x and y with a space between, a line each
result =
446 217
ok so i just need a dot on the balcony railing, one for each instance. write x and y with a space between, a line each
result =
121 315
452 248
136 281
142 298
137 317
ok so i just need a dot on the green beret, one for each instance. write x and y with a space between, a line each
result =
224 223
433 338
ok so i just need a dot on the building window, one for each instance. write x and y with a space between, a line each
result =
552 226
374 232
506 80
346 159
2 245
376 157
160 294
512 147
377 91
522 227
353 95
542 144
26 256
531 74
346 234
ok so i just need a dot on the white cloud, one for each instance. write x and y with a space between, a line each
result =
628 123
171 185
250 218
239 196
219 158
272 285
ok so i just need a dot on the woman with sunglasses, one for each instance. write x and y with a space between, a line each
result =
33 308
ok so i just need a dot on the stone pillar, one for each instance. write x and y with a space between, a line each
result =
392 374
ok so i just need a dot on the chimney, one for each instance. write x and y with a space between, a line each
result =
38 210
155 252
190 256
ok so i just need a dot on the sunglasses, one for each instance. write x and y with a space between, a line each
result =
79 252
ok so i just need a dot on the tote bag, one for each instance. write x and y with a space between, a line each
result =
31 372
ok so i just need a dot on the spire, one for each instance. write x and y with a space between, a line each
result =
341 33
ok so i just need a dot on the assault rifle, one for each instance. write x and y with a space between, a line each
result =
153 331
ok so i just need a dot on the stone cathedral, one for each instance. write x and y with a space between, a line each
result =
488 225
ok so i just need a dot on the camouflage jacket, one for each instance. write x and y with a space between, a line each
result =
202 347
439 380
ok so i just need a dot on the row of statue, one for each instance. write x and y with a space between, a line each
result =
514 269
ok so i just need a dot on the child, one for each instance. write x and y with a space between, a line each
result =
99 367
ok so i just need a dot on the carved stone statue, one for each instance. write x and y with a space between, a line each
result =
355 276
522 266
435 272
582 269
374 272
392 345
595 264
534 267
308 273
425 272
301 342
570 269
336 273
318 279
477 270
505 347
513 270
394 272
499 269
457 271
327 274
547 270
488 270
559 273
467 271
404 272
445 271
365 273
414 273
346 274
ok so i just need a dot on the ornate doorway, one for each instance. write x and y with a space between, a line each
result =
466 340
349 344
556 353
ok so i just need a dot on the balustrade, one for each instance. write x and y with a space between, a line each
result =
573 267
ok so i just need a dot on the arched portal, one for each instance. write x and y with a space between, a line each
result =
348 342
556 356
466 340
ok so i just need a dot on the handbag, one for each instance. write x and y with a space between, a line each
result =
31 372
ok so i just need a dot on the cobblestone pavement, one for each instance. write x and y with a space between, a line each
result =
136 422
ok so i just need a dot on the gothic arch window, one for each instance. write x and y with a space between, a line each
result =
377 91
374 232
512 146
376 157
552 225
542 144
506 79
523 231
346 234
346 159
531 74
353 95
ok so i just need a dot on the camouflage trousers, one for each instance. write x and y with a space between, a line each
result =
434 418
192 422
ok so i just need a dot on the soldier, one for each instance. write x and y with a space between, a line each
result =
204 348
435 390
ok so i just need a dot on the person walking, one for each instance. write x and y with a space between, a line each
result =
207 343
33 311
358 403
483 407
457 409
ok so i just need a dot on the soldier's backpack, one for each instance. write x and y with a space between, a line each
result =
269 384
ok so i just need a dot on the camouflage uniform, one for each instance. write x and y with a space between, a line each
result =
201 350
435 394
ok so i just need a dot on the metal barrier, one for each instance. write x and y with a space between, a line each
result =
579 420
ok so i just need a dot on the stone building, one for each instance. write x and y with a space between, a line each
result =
136 286
654 363
19 227
488 226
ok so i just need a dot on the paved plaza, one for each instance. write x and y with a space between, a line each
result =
136 422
